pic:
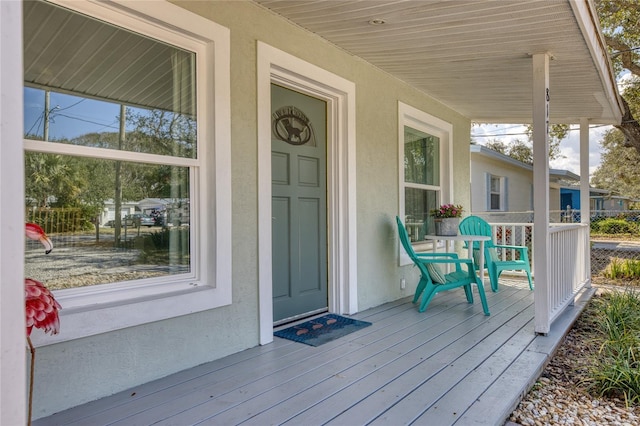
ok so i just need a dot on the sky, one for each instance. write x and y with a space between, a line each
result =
71 116
569 147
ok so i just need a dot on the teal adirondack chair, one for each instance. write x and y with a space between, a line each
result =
433 281
474 225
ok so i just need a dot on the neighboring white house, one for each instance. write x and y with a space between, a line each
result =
364 107
500 183
109 211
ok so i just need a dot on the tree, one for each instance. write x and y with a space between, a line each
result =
618 171
51 180
620 22
164 133
498 146
557 132
520 151
523 151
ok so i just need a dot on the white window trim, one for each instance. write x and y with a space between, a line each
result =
274 65
13 407
99 309
420 120
502 193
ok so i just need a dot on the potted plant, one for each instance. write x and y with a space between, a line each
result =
447 219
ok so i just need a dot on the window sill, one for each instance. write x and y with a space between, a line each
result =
79 322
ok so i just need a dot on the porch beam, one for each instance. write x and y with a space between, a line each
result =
541 98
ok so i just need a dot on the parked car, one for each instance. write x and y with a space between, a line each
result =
138 220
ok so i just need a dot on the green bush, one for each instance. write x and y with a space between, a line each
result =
595 224
616 373
614 226
623 269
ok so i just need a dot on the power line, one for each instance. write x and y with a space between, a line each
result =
595 126
498 134
88 121
36 122
70 106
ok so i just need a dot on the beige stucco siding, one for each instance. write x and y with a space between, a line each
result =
519 177
519 187
377 96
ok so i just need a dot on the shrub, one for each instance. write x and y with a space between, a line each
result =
623 269
614 226
616 373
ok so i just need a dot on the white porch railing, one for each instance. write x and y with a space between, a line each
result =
569 272
569 268
514 234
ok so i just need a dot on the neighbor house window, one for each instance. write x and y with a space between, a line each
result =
425 175
496 192
116 156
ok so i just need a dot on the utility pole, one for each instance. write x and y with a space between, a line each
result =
118 183
47 112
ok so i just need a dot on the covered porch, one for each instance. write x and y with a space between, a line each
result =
535 64
448 365
454 63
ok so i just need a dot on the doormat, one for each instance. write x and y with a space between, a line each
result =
321 330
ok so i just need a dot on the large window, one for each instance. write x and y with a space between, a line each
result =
425 174
118 156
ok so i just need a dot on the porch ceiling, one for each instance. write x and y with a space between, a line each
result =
475 55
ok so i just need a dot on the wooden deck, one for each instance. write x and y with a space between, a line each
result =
448 365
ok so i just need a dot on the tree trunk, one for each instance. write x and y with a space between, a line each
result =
629 127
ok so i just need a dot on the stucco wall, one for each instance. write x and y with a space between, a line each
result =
519 185
71 373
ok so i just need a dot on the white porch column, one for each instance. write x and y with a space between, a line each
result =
585 206
12 319
541 190
585 200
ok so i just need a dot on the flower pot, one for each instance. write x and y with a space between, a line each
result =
447 226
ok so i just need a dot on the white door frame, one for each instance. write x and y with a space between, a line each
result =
276 66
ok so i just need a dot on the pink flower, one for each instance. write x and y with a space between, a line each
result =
447 210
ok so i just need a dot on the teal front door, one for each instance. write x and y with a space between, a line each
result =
299 204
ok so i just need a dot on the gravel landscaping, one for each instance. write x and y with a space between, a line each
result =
560 396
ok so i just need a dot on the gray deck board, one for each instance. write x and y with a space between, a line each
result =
436 375
404 374
341 373
448 365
